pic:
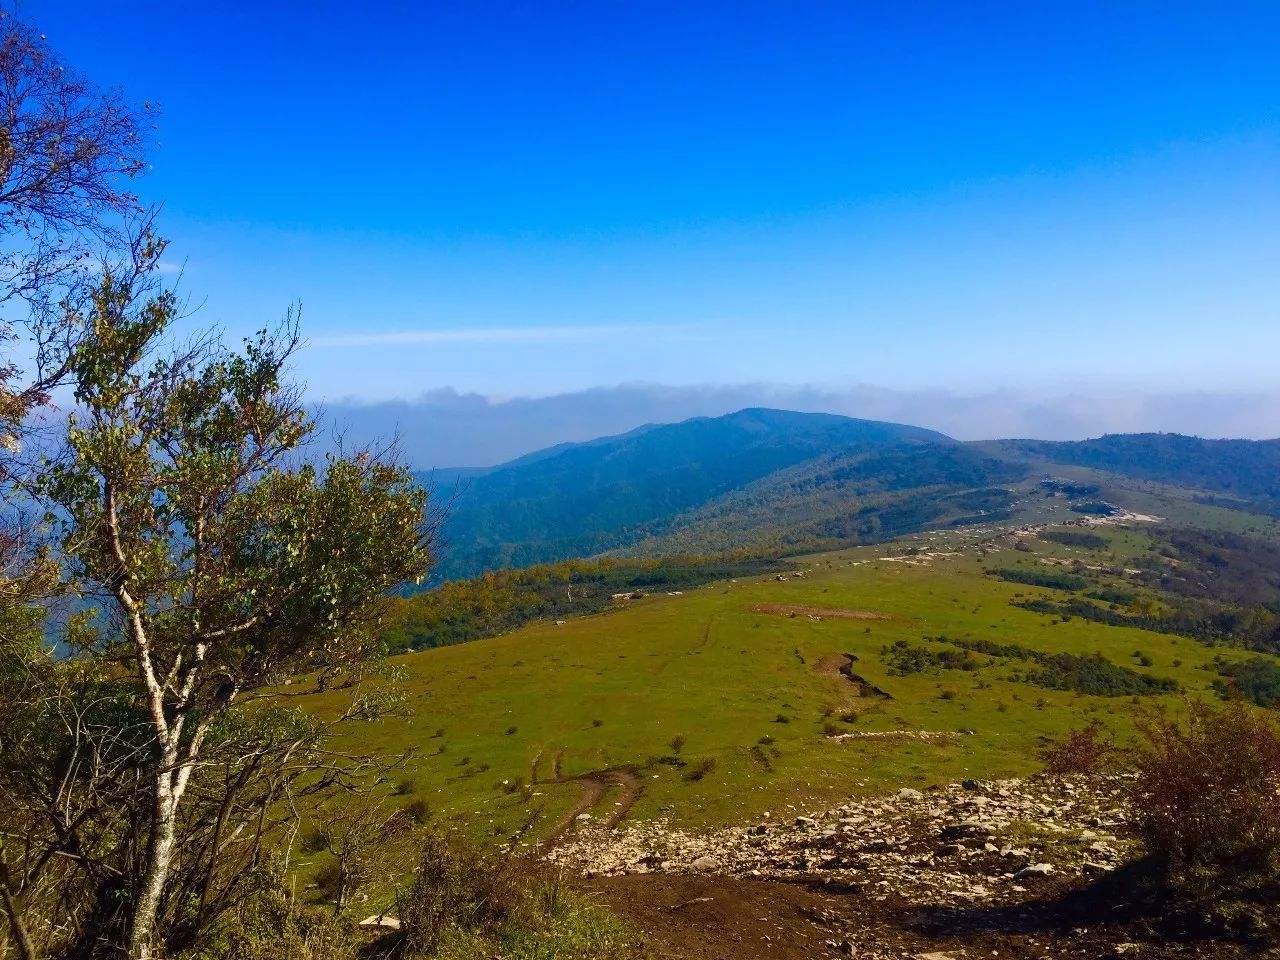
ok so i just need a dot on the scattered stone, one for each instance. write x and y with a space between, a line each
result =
950 846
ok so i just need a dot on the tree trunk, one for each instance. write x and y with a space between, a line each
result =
13 913
26 948
159 859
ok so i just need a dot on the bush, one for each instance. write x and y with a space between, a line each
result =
271 925
1082 750
463 905
1256 679
1075 538
905 658
1040 578
454 887
699 770
550 921
1206 801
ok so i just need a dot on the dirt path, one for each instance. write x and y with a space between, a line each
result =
592 792
594 786
839 666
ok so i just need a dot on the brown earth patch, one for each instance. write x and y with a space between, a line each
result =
823 613
839 666
691 917
595 786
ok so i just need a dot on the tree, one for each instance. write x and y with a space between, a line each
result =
225 563
66 151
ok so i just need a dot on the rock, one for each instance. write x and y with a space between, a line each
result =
1034 870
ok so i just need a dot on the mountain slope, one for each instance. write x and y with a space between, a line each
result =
1246 469
861 497
579 499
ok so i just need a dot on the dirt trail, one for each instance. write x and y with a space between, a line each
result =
594 785
592 792
839 666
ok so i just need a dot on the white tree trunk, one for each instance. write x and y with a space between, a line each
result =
159 860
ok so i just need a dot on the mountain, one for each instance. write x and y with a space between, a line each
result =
860 497
777 480
1243 469
584 498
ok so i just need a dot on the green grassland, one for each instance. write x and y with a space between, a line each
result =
719 713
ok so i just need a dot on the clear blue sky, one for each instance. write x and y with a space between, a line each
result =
527 198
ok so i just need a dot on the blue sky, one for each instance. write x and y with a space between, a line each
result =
534 198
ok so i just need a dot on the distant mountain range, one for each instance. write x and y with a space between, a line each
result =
767 479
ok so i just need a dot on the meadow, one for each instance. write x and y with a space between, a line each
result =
726 703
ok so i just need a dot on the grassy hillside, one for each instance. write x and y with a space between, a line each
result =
908 664
580 499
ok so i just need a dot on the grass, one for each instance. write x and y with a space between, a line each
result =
616 690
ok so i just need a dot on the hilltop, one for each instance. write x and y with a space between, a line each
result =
584 498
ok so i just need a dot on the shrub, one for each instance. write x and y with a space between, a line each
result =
1256 679
1075 538
1082 750
1206 800
700 770
549 921
1096 676
271 925
454 887
1041 578
1113 595
905 658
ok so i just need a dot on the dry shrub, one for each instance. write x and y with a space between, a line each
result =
1206 800
1082 750
271 925
455 887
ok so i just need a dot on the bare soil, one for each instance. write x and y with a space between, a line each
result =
826 613
687 917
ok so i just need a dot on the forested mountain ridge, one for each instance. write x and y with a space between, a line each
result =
1249 469
860 497
580 499
777 480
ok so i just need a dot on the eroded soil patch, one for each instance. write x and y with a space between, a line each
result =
820 613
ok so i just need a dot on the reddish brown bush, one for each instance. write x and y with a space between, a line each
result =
1083 750
1206 800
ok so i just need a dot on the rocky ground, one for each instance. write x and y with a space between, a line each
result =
1012 869
975 842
